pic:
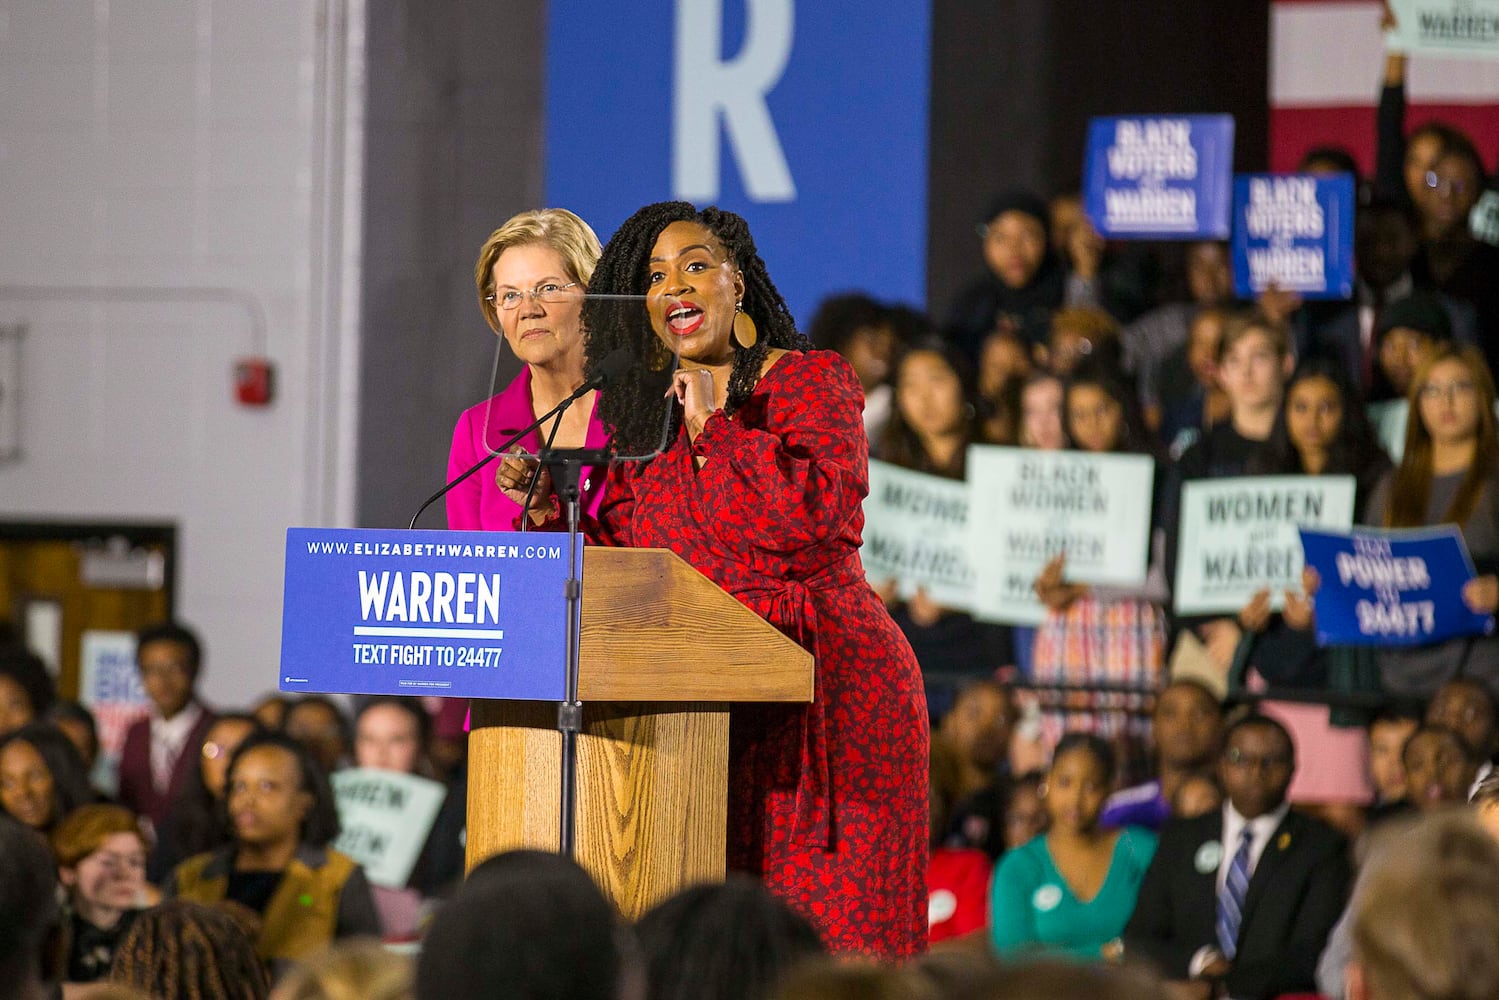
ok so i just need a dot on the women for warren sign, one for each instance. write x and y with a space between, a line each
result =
1238 536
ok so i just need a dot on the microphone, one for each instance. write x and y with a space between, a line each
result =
614 365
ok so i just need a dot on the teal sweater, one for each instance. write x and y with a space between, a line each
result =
1032 909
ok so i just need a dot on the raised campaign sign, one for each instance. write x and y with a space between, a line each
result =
916 533
462 614
1293 232
1027 506
1161 177
1238 536
1392 588
1463 29
385 818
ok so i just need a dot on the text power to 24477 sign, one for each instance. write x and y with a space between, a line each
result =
461 614
1392 588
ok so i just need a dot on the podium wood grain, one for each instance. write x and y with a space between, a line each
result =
664 653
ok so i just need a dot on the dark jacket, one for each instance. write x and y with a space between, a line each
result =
137 792
1295 896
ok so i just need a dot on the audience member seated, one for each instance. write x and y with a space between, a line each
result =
1246 896
1150 340
1448 475
1190 399
270 711
1428 917
1080 335
350 970
101 863
859 328
392 734
161 750
1351 334
1118 278
1024 280
278 863
1465 706
1003 366
1321 429
958 876
1102 636
1451 260
1439 772
26 689
933 422
1388 732
1439 768
1254 362
977 734
28 910
1187 728
41 777
1025 810
322 727
183 950
1053 979
77 723
726 941
1071 890
532 921
199 822
1407 335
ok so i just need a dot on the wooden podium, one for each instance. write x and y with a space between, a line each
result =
664 653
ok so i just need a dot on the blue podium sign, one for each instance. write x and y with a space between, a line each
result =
1392 588
461 614
1293 231
1161 177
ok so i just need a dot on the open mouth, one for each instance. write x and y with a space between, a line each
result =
684 319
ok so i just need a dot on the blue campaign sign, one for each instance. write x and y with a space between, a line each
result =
1160 177
1391 588
1293 231
463 614
809 119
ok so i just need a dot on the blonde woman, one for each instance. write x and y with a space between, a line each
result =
531 275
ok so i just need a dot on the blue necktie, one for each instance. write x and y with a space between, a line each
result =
1231 897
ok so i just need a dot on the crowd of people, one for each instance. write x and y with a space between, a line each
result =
1121 801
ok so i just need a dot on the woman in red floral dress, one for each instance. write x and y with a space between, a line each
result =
761 489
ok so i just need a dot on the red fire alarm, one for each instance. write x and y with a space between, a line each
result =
254 380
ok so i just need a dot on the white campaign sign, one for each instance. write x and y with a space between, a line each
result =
1459 28
385 818
916 533
1238 536
1026 506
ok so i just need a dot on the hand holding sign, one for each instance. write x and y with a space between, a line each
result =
1300 611
1481 595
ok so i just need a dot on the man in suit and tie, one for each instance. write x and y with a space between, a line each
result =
1247 895
161 751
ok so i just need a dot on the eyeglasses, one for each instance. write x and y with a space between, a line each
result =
548 292
1451 390
1445 185
1250 761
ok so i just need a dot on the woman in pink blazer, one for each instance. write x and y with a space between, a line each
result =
531 276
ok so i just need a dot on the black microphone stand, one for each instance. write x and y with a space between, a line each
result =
496 452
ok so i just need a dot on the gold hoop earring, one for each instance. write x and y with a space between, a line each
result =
746 334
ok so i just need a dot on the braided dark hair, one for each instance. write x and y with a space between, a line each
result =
183 950
630 406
